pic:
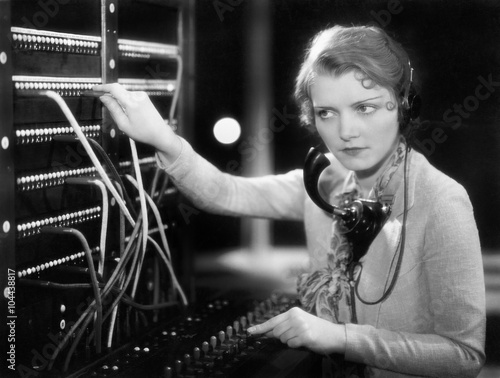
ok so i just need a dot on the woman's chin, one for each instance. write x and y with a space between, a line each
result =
356 165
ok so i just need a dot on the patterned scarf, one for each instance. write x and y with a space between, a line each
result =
322 291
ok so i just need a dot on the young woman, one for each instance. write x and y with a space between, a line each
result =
413 305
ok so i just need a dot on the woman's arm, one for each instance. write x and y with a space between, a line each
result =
279 196
272 196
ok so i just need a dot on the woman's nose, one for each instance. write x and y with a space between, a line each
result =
348 129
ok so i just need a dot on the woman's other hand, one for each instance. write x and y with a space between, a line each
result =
298 328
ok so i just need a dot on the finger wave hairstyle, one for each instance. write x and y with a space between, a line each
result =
368 50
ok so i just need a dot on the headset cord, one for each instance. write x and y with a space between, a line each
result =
395 277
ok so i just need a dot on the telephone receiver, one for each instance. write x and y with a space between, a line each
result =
362 218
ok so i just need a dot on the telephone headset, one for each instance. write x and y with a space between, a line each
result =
411 101
362 218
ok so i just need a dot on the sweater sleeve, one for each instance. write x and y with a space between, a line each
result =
273 196
453 345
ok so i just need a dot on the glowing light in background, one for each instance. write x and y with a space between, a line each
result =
227 130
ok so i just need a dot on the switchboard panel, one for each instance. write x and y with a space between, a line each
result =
84 247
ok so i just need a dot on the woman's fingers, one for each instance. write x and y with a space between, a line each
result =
285 327
138 118
116 110
267 326
297 328
116 90
279 327
287 335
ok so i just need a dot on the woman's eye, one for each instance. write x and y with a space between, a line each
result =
366 109
323 114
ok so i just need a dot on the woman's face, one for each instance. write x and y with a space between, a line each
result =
358 125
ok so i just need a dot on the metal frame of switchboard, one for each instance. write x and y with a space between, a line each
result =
7 177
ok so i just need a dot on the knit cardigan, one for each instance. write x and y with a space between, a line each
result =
433 323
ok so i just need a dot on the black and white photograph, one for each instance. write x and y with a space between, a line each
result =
250 188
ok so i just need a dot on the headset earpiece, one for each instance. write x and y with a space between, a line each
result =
411 101
414 103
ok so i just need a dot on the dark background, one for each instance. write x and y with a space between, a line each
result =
452 44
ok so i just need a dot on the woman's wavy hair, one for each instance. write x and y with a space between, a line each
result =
367 50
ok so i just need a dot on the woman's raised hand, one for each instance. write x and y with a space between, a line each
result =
136 116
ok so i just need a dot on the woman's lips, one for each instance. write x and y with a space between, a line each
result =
353 151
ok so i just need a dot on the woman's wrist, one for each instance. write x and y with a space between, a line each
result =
340 339
334 340
343 339
169 149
